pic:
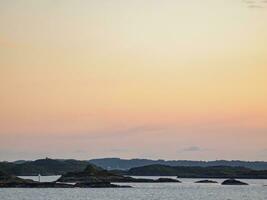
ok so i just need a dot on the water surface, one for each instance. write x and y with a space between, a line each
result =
187 190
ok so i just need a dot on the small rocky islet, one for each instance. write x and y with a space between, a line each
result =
233 182
206 181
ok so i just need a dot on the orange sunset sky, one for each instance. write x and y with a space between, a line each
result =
166 79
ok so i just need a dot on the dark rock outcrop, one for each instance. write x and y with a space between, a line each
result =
167 180
233 182
100 185
206 181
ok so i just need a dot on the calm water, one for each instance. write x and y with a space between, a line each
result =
187 190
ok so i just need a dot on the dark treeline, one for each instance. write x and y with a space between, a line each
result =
125 164
198 172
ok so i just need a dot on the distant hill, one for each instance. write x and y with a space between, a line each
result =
60 166
198 172
43 167
124 164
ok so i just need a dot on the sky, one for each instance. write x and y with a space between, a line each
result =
166 79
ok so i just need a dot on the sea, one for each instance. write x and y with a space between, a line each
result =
187 190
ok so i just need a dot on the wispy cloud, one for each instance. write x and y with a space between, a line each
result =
145 128
255 3
118 150
264 152
193 149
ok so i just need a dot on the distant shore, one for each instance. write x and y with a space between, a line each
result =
48 167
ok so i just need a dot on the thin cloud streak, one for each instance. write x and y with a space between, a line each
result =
255 4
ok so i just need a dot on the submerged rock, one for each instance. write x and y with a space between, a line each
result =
206 181
233 182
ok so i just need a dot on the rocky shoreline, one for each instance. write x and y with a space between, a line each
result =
9 181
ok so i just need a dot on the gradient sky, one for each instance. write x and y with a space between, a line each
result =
155 79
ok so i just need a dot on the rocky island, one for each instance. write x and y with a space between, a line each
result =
10 181
93 174
233 182
206 181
